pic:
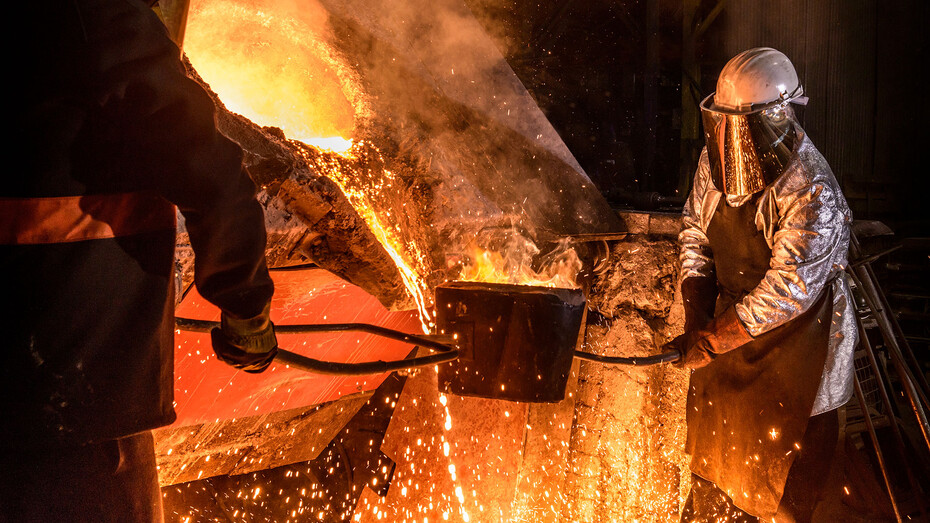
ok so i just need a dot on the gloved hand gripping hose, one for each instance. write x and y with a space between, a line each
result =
247 344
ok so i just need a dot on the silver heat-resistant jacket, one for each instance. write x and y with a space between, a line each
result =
805 220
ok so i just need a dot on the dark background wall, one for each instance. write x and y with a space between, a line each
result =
621 79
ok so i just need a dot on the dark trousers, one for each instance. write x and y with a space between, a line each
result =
803 487
113 481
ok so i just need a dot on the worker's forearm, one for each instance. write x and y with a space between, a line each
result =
695 255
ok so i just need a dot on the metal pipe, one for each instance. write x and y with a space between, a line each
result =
299 361
904 346
429 341
878 451
636 361
448 353
866 283
913 394
333 368
889 413
873 257
866 264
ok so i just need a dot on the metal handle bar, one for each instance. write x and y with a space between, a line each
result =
376 367
636 361
299 361
332 368
190 324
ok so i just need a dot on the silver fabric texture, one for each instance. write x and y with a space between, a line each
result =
805 220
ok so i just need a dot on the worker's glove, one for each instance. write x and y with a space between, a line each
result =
694 355
699 347
725 333
698 295
247 344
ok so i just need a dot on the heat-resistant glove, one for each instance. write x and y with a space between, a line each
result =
698 295
693 354
247 344
723 334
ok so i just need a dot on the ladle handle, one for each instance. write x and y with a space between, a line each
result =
190 324
332 368
299 361
637 361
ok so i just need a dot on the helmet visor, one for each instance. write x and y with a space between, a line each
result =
748 151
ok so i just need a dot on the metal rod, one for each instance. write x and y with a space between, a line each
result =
905 347
190 324
878 450
913 395
299 361
333 368
637 361
867 285
873 257
889 413
856 251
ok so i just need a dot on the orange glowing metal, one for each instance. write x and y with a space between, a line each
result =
410 261
273 66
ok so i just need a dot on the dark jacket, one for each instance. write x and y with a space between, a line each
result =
110 136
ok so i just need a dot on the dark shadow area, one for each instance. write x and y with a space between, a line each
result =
620 81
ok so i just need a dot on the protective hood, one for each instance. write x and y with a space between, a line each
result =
748 149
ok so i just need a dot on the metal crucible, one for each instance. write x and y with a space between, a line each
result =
516 341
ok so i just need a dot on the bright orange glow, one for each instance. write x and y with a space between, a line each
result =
495 267
364 190
334 144
274 68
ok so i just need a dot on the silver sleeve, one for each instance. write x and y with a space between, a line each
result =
696 257
810 240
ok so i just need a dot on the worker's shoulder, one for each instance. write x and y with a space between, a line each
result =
702 178
809 170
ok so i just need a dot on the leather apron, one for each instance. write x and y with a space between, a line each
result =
749 408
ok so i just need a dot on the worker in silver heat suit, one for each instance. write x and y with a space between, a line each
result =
770 326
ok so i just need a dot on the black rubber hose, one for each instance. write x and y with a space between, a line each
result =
637 361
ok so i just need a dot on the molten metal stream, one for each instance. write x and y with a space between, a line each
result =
275 68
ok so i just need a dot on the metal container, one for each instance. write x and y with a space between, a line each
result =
516 341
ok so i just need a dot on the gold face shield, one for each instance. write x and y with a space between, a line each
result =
749 149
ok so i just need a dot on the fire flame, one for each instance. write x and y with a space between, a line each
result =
559 268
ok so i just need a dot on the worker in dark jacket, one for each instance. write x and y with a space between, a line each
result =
109 138
770 326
